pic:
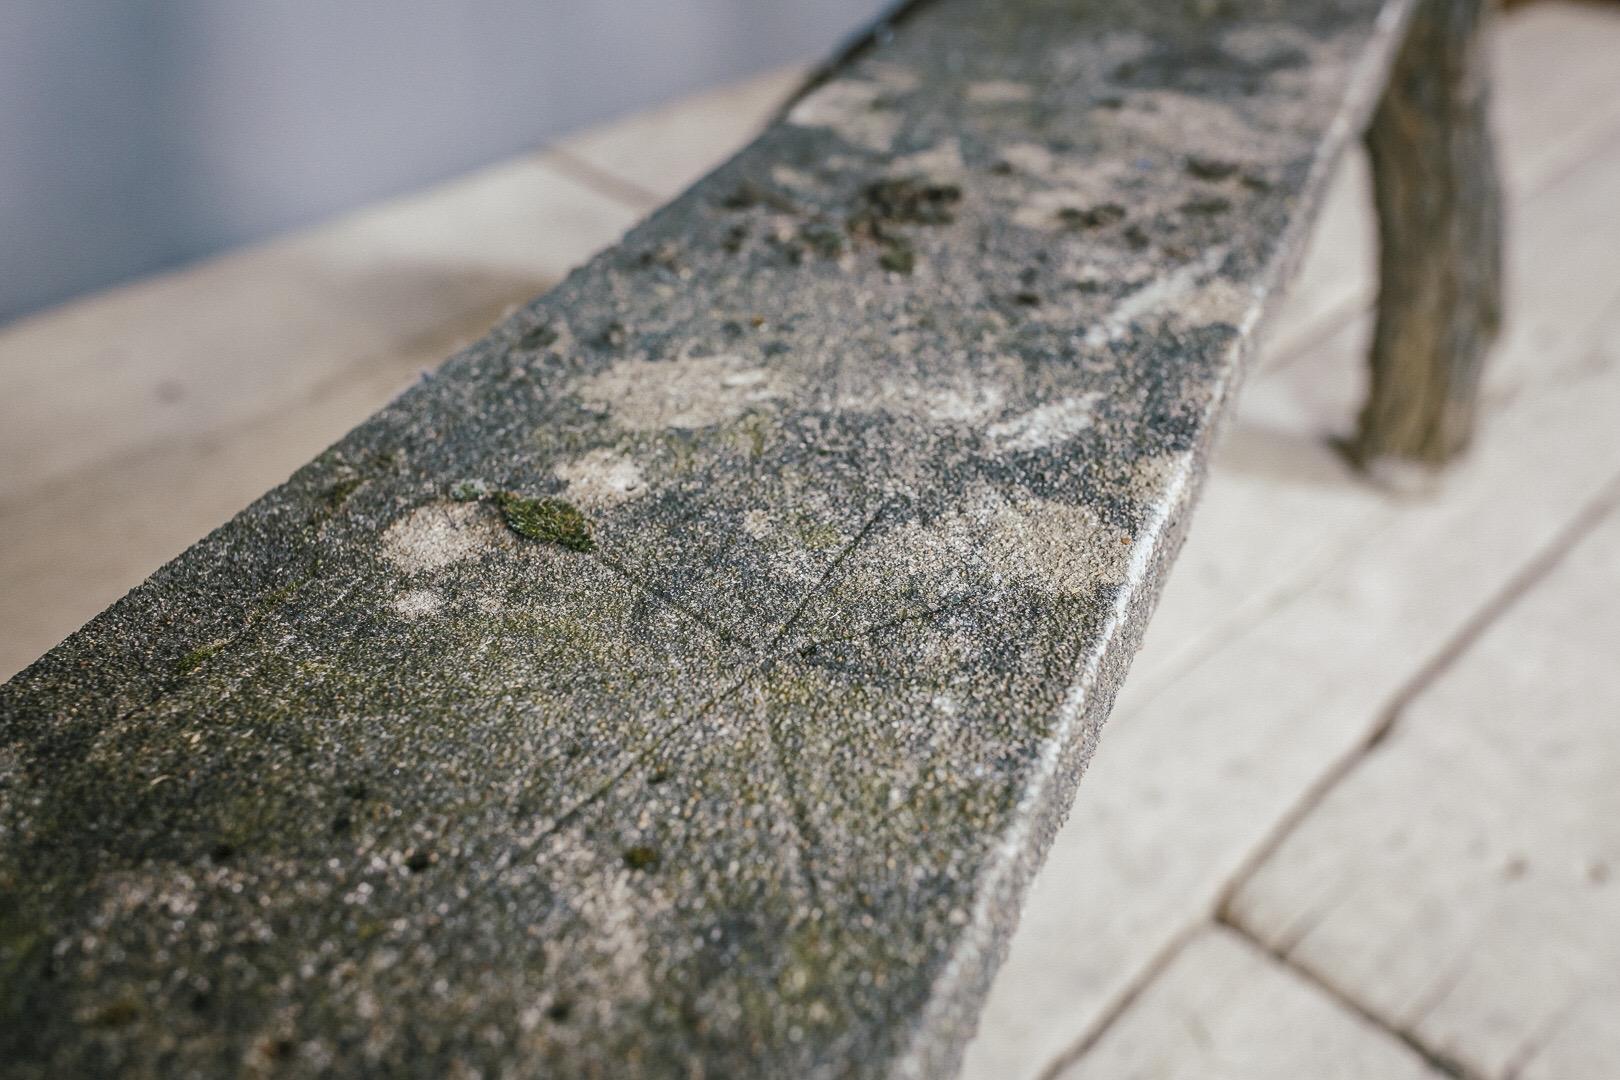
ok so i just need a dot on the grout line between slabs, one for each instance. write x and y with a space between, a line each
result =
1439 1063
1123 1002
604 182
1529 575
1526 578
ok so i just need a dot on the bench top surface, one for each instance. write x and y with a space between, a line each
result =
687 678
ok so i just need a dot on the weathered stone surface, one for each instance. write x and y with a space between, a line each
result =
687 679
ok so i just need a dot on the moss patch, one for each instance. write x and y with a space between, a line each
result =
897 255
550 521
197 657
642 857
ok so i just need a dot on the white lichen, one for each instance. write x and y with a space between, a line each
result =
850 109
940 162
646 395
1046 425
998 92
601 478
756 523
417 603
1064 547
1154 298
1219 300
441 533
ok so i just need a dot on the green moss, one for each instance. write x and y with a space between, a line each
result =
550 521
197 657
641 857
750 434
912 200
274 599
819 535
537 337
116 1013
1093 217
22 939
897 255
338 493
825 241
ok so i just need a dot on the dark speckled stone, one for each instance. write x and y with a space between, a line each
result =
686 680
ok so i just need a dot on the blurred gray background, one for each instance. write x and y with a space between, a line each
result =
138 134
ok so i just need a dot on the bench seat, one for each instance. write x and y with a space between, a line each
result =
687 679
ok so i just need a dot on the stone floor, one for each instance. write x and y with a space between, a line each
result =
1357 813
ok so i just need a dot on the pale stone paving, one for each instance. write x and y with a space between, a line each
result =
1463 882
1223 1010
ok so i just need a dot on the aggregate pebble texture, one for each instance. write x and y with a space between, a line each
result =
687 678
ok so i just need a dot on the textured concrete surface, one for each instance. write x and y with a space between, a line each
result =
691 674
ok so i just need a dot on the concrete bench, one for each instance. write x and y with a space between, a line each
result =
687 679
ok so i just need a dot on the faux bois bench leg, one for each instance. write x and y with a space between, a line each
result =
1440 221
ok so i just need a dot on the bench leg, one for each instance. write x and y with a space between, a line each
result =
1440 224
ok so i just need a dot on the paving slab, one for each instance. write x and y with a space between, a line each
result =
152 413
1224 1010
1459 881
1544 128
690 675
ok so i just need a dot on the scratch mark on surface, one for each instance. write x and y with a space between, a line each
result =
826 578
805 835
927 614
719 632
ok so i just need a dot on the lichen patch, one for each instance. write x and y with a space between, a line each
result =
601 478
998 92
964 404
1219 301
1045 425
1151 477
645 395
796 180
942 161
1065 547
1051 209
956 402
417 604
1194 125
1031 158
851 109
1154 298
757 524
439 534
